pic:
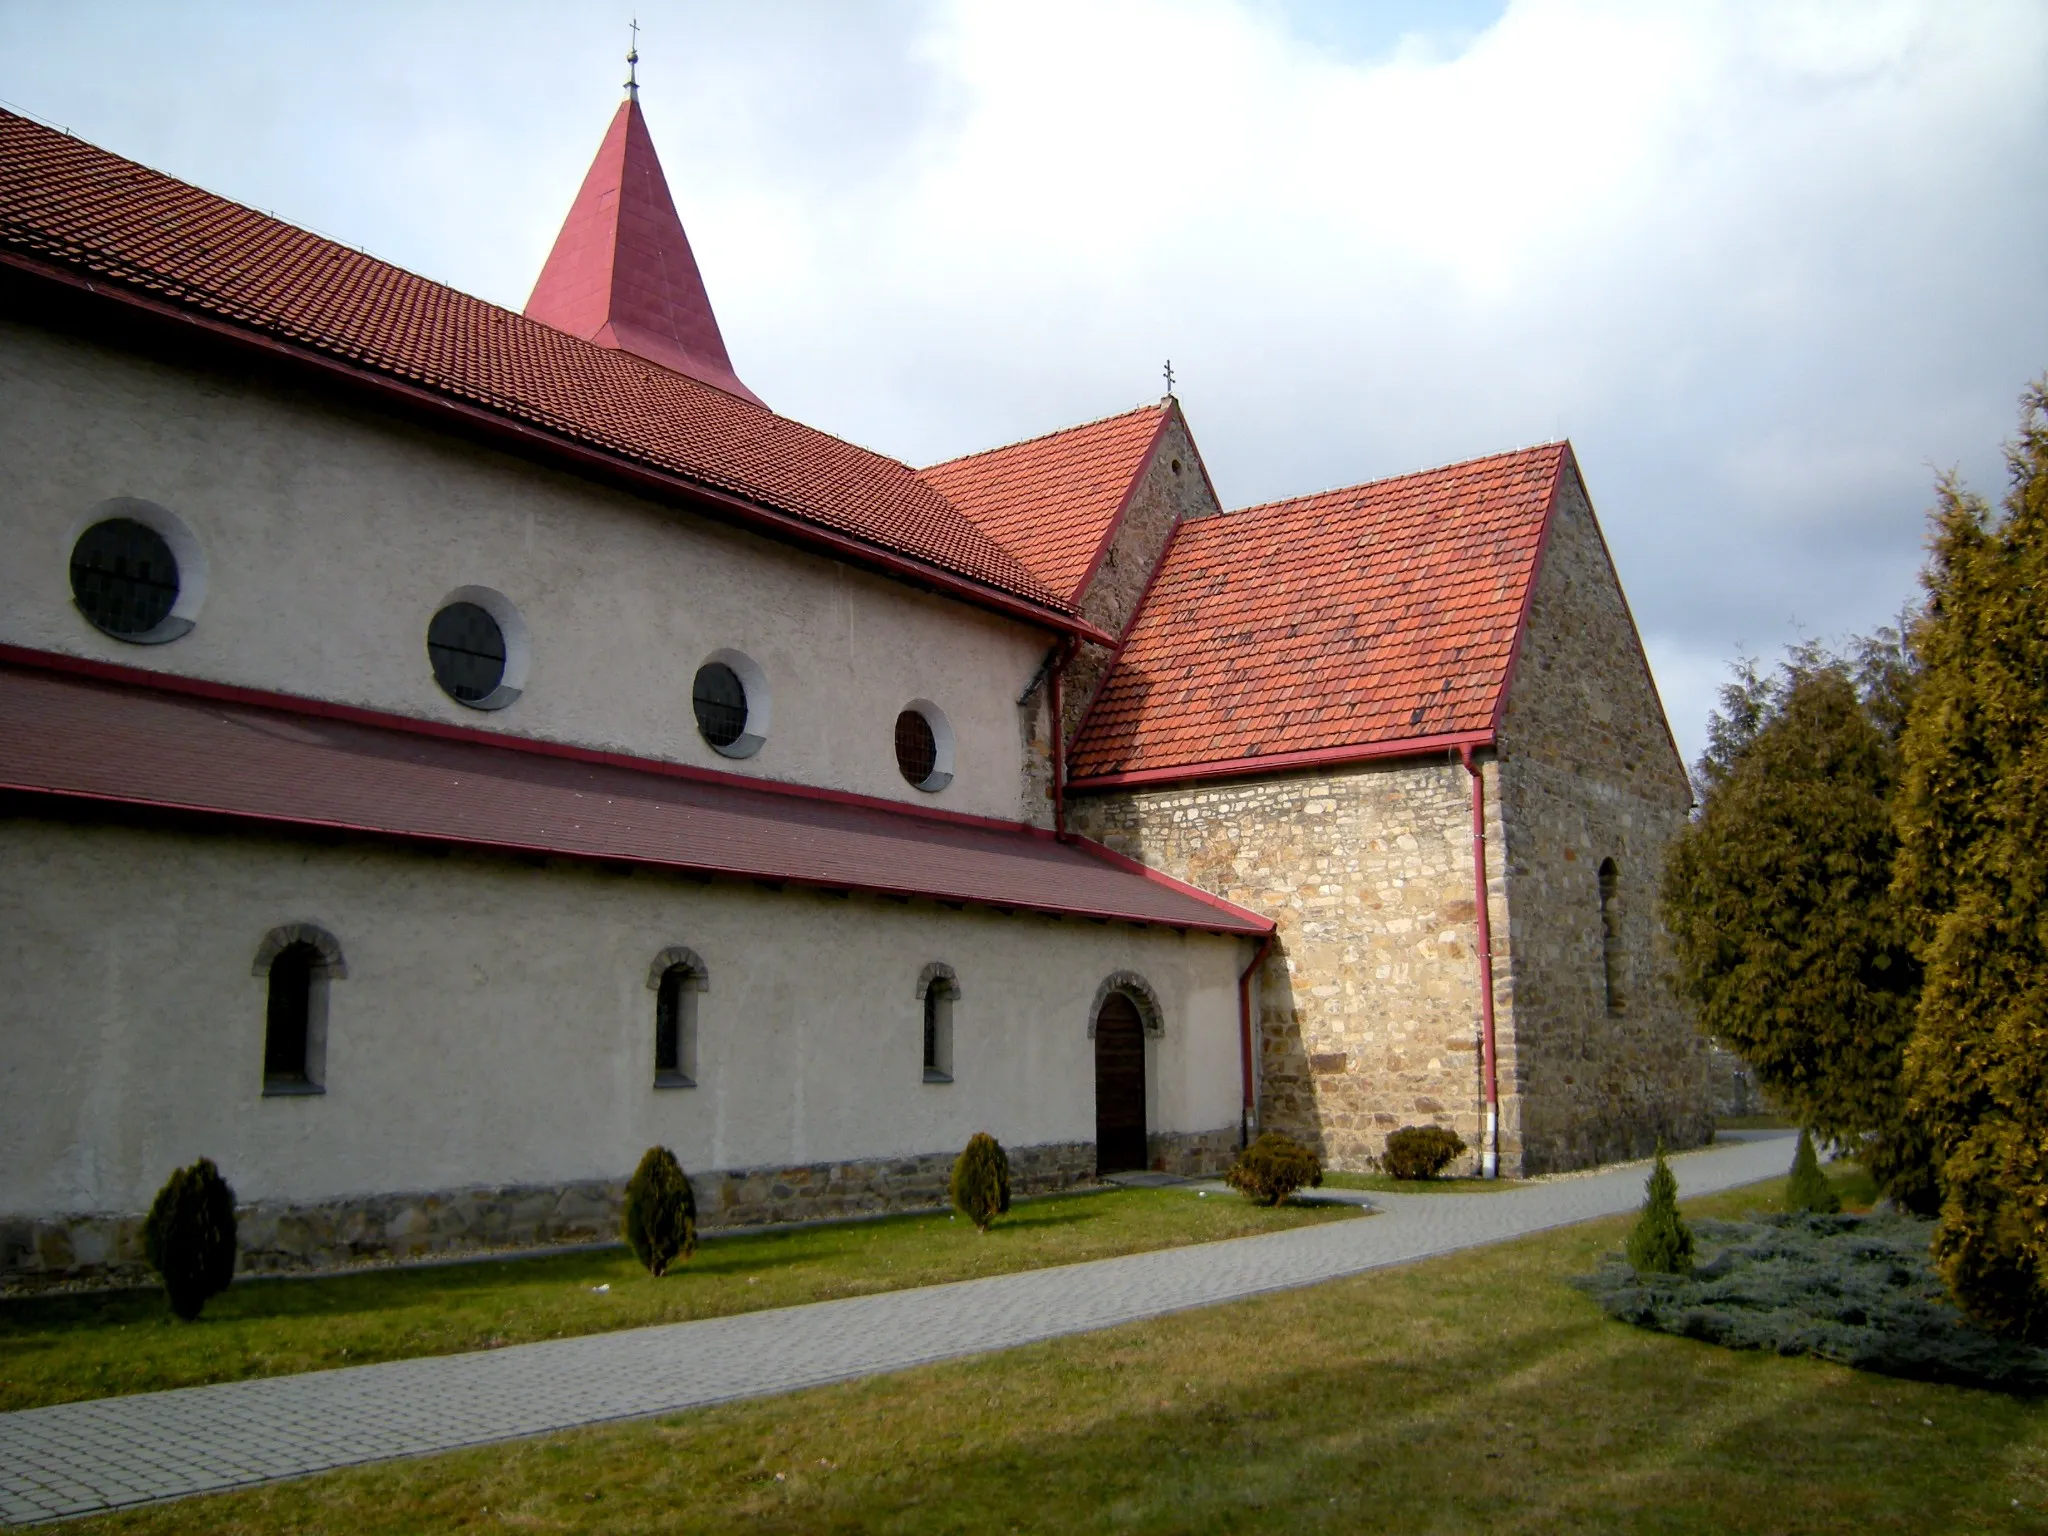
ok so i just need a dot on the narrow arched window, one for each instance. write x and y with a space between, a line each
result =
939 994
1613 958
288 1064
675 1026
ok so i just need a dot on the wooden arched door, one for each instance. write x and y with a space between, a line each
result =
1119 1086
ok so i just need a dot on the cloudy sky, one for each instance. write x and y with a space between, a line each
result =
1770 266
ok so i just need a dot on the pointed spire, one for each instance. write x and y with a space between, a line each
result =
622 274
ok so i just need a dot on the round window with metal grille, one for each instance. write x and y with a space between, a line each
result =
467 648
124 578
720 699
917 748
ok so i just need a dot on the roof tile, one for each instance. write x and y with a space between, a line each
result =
1377 613
68 203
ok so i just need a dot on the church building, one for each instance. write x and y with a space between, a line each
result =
445 751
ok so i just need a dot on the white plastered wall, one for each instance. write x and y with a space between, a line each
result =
495 1025
332 533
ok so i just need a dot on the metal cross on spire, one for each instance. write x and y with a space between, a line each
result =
633 63
1169 376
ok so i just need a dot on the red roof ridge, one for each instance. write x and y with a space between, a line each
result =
1563 443
1043 437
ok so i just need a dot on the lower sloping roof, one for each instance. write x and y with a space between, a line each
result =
1377 616
132 743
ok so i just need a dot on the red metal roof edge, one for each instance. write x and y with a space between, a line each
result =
637 861
1261 924
1116 519
712 500
1281 762
1507 674
1571 460
356 714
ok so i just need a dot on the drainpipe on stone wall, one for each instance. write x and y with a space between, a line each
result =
1244 1041
1490 1155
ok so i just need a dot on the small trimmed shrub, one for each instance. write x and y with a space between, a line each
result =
1859 1290
661 1212
189 1236
981 1180
1661 1242
1420 1151
1807 1188
1272 1168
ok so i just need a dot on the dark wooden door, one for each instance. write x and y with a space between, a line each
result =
1119 1086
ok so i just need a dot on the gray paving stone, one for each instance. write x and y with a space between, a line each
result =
80 1458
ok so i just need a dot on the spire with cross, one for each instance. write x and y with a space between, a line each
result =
633 63
1169 377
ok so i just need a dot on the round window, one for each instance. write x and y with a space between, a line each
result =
467 647
124 578
721 702
924 746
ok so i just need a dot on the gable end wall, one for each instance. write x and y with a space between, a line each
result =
1588 772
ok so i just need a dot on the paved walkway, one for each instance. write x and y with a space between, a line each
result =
80 1458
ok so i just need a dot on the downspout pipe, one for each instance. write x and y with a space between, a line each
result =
1244 1041
1490 1153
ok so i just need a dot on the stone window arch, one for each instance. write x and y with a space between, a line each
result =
296 961
938 989
676 978
1142 997
1613 953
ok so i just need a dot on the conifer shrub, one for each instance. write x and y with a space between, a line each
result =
1660 1242
1420 1151
1807 1188
981 1180
1272 1168
189 1236
660 1220
1858 1290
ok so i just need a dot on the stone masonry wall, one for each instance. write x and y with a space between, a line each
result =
1172 486
1368 1006
383 1229
1588 773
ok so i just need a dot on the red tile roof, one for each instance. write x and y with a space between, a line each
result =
1053 501
77 739
1376 614
67 204
622 274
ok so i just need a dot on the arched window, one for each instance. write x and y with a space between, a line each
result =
1613 958
675 978
296 963
938 989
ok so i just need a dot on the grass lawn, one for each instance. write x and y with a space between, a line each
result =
1476 1392
58 1348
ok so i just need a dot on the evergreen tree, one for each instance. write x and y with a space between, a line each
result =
659 1222
1660 1242
1972 819
980 1185
1807 1188
1778 899
189 1236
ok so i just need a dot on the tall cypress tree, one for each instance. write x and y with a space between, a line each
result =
1972 818
1778 899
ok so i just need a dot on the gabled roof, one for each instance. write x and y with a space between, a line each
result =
1053 501
163 746
70 209
1377 616
622 274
